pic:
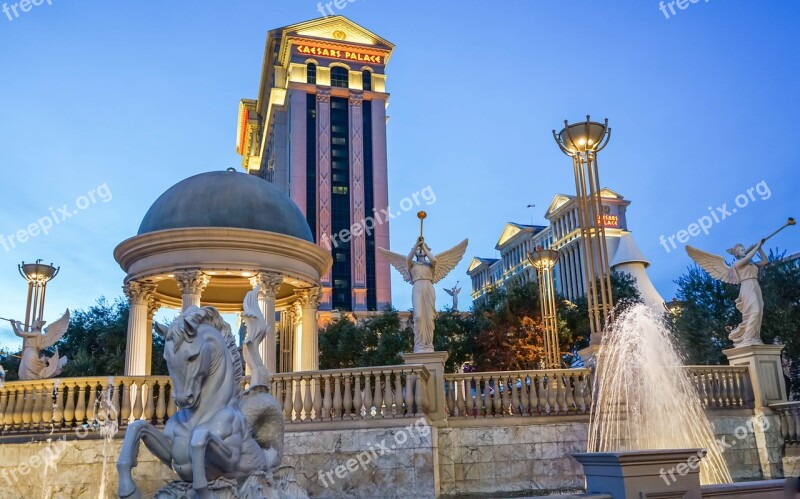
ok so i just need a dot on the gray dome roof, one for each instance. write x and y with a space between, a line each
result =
226 199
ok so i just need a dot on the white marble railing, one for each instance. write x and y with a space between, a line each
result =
722 387
352 394
339 395
518 393
789 413
60 404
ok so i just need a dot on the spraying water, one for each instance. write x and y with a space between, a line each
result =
106 422
645 400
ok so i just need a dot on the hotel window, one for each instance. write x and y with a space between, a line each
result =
311 74
340 77
366 77
340 189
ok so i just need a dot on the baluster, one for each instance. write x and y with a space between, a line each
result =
150 405
3 404
69 404
523 395
561 396
533 396
458 387
388 396
572 382
794 415
421 396
552 393
161 406
469 398
410 394
297 405
787 423
347 400
317 399
504 395
378 396
287 401
479 405
92 403
368 395
19 409
327 402
125 410
12 409
48 404
451 397
357 401
337 397
398 395
515 405
27 408
307 402
80 405
542 394
737 389
137 393
38 403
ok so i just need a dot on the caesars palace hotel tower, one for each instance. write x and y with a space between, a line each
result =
318 132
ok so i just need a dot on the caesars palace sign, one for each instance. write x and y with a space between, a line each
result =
351 54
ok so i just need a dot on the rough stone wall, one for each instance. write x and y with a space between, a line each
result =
743 436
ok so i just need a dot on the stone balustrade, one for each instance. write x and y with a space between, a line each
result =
518 393
62 404
353 394
339 395
789 413
722 387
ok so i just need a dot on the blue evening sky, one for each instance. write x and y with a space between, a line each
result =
139 95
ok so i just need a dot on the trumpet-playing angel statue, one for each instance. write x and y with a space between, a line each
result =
745 273
423 269
34 365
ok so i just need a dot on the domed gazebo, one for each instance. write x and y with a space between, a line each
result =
210 239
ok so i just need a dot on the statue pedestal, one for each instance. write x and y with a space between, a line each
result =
434 363
766 372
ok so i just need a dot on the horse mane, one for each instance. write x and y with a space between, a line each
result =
193 318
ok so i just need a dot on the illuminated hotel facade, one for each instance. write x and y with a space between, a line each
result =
318 131
563 234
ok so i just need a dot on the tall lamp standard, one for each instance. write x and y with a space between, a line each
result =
38 275
544 260
582 142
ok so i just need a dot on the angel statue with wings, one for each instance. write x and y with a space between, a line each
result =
423 269
454 291
34 365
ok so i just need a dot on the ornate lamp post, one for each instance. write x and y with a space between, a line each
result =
544 260
582 142
38 275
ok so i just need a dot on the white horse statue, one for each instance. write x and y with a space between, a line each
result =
219 432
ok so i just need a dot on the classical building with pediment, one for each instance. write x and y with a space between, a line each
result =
563 234
317 131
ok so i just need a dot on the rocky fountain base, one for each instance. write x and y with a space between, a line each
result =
257 486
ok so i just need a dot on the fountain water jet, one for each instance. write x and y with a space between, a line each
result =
644 398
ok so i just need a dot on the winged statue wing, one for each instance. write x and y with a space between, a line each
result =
399 262
447 261
53 332
449 291
715 265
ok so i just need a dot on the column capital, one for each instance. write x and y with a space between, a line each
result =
192 282
323 94
309 298
139 291
356 98
153 306
270 283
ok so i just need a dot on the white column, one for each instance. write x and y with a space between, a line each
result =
153 306
308 354
297 329
139 294
270 285
192 283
